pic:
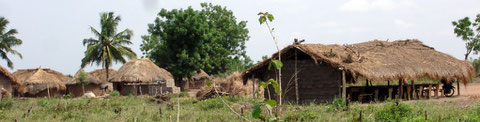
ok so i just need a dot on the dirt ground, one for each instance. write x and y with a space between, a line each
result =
469 94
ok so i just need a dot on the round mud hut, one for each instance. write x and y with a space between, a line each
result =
41 82
8 82
142 76
94 81
197 81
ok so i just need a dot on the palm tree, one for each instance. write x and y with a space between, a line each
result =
109 45
7 41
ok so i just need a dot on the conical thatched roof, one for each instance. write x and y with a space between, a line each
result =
382 61
9 76
140 70
95 77
201 75
36 80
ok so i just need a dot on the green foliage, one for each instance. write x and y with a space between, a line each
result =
265 16
6 104
277 64
209 104
115 93
181 94
469 32
109 46
8 41
337 105
186 40
304 115
68 96
257 111
393 112
43 102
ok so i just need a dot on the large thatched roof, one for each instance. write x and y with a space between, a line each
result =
9 76
95 77
382 61
36 80
140 70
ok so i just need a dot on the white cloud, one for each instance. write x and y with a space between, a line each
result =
375 5
402 23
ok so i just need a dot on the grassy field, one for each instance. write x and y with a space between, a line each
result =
140 108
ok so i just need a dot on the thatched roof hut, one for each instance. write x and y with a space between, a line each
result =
142 76
201 75
381 60
7 81
140 71
38 80
95 77
9 77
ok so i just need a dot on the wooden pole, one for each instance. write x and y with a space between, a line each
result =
458 87
344 86
253 86
429 91
48 91
437 89
400 88
296 78
414 90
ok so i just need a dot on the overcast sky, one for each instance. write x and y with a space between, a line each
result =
52 30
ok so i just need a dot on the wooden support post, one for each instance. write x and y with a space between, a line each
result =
437 89
48 91
141 92
458 87
409 89
414 89
429 91
253 86
390 90
376 95
296 78
344 86
400 88
420 92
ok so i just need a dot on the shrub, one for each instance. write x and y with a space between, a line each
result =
305 115
393 111
115 93
212 103
43 102
68 96
337 104
6 104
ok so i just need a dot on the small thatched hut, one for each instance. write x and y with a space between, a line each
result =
142 76
96 83
40 82
197 81
323 69
8 81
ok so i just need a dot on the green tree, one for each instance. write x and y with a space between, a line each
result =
469 32
109 46
7 41
186 40
82 78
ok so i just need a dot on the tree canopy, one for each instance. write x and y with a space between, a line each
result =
186 40
109 46
7 41
469 32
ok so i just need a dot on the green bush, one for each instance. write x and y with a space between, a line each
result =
212 103
305 115
115 93
43 102
393 112
6 104
68 96
337 104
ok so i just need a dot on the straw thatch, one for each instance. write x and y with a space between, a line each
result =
140 71
9 76
382 60
94 77
231 86
201 75
37 80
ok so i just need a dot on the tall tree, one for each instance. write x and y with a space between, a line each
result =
186 40
469 32
109 46
7 41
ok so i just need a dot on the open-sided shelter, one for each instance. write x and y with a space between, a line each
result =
40 82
